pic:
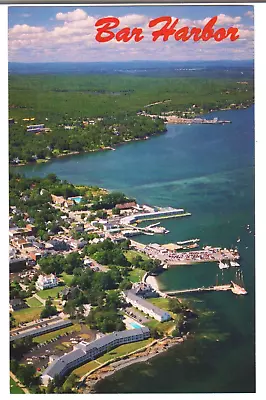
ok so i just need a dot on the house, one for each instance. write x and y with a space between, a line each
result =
17 304
86 351
143 289
58 199
58 245
126 206
69 293
46 282
148 308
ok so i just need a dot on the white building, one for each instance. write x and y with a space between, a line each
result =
46 282
85 351
148 308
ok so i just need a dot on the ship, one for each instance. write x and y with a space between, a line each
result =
223 265
234 264
239 290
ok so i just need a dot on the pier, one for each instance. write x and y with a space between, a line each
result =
234 287
201 289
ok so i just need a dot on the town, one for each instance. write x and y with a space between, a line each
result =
80 287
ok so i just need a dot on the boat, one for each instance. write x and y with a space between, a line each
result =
238 240
234 264
239 290
223 265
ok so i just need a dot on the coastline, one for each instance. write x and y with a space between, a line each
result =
41 161
74 153
152 350
151 280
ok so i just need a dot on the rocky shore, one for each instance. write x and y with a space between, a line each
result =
154 349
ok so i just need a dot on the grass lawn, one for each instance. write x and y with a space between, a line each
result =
85 368
33 302
67 278
27 314
162 327
52 335
160 302
14 389
123 350
131 254
44 294
136 275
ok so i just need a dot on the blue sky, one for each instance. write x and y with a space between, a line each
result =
54 34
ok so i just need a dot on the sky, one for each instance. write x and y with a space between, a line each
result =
67 34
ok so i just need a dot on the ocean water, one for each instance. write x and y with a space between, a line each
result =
209 171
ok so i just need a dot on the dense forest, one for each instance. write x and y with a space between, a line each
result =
92 112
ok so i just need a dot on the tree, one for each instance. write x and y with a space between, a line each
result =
26 374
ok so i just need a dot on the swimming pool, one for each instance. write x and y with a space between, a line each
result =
77 199
135 325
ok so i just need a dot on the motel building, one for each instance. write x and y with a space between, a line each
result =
86 351
148 308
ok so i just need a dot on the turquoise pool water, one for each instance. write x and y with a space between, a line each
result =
135 325
76 199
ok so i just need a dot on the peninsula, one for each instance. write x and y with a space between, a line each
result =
98 112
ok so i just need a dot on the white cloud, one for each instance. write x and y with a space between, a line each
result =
74 39
76 15
249 14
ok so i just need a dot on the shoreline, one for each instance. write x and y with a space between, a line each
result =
43 161
163 345
152 280
74 153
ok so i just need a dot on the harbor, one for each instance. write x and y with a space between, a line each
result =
201 184
172 258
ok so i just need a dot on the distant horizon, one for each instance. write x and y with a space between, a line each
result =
134 61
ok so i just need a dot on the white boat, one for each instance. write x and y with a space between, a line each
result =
238 240
234 264
223 265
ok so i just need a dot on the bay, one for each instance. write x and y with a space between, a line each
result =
209 171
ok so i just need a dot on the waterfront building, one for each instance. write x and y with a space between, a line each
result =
86 351
148 308
163 213
46 282
143 289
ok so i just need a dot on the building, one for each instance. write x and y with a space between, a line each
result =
164 213
126 206
46 282
35 128
17 304
58 199
143 289
86 351
148 308
40 330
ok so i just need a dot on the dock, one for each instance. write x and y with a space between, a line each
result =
201 289
235 288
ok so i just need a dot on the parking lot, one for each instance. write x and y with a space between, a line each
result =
138 316
58 346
